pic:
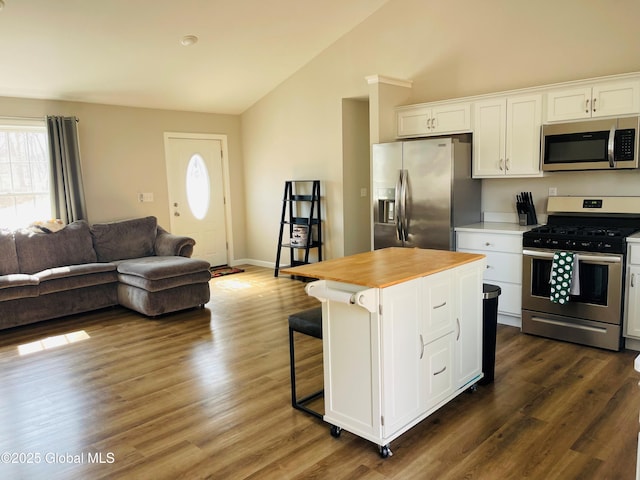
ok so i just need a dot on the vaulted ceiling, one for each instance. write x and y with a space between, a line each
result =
129 52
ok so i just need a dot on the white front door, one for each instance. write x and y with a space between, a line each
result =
195 177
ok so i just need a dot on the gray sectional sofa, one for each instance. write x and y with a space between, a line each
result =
134 263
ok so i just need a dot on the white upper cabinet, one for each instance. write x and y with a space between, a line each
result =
593 101
424 120
506 136
506 125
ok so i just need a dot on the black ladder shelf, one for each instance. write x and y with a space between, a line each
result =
300 225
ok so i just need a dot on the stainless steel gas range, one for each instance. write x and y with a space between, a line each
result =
592 232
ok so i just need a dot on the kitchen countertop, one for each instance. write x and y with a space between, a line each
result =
497 227
385 267
635 238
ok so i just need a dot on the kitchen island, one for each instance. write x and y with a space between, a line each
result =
402 336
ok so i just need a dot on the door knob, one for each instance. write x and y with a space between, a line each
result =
176 214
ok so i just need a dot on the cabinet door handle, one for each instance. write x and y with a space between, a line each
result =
587 110
421 347
440 371
428 124
507 164
593 104
434 123
440 306
458 328
501 164
633 279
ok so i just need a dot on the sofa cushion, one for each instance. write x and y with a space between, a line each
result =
125 239
70 246
77 276
9 263
159 303
18 285
158 268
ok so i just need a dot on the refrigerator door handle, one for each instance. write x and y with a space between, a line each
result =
405 220
398 207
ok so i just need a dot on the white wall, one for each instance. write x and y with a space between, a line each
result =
355 174
449 49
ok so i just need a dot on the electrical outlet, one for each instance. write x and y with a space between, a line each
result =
553 191
363 192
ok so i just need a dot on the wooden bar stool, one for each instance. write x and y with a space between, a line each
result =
307 322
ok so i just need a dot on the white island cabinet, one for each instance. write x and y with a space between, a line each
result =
402 336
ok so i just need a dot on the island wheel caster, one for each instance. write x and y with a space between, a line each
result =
473 388
385 451
335 431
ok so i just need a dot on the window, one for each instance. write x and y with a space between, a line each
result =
24 173
197 186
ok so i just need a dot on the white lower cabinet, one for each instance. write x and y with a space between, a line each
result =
632 295
504 267
388 368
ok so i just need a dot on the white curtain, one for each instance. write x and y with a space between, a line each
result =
67 192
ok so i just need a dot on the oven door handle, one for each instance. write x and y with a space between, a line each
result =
581 257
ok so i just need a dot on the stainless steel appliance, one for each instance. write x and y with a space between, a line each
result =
421 190
594 229
591 145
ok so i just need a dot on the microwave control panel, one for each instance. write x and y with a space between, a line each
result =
624 142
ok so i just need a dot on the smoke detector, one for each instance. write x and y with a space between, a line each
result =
186 41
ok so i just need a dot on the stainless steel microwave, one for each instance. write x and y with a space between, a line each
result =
591 145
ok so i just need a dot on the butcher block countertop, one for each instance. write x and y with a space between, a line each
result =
385 267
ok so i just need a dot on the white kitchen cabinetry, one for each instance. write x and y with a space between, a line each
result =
503 268
468 332
415 346
593 101
426 357
632 296
633 302
424 120
506 136
404 394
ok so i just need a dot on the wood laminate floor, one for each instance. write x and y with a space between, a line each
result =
205 394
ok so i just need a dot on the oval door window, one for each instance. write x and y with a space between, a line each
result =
198 192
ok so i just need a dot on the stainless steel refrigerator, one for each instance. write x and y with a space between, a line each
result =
422 190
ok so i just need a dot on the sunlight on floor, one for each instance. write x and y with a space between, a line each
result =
233 284
52 342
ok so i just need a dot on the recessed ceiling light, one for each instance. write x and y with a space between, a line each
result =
186 41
